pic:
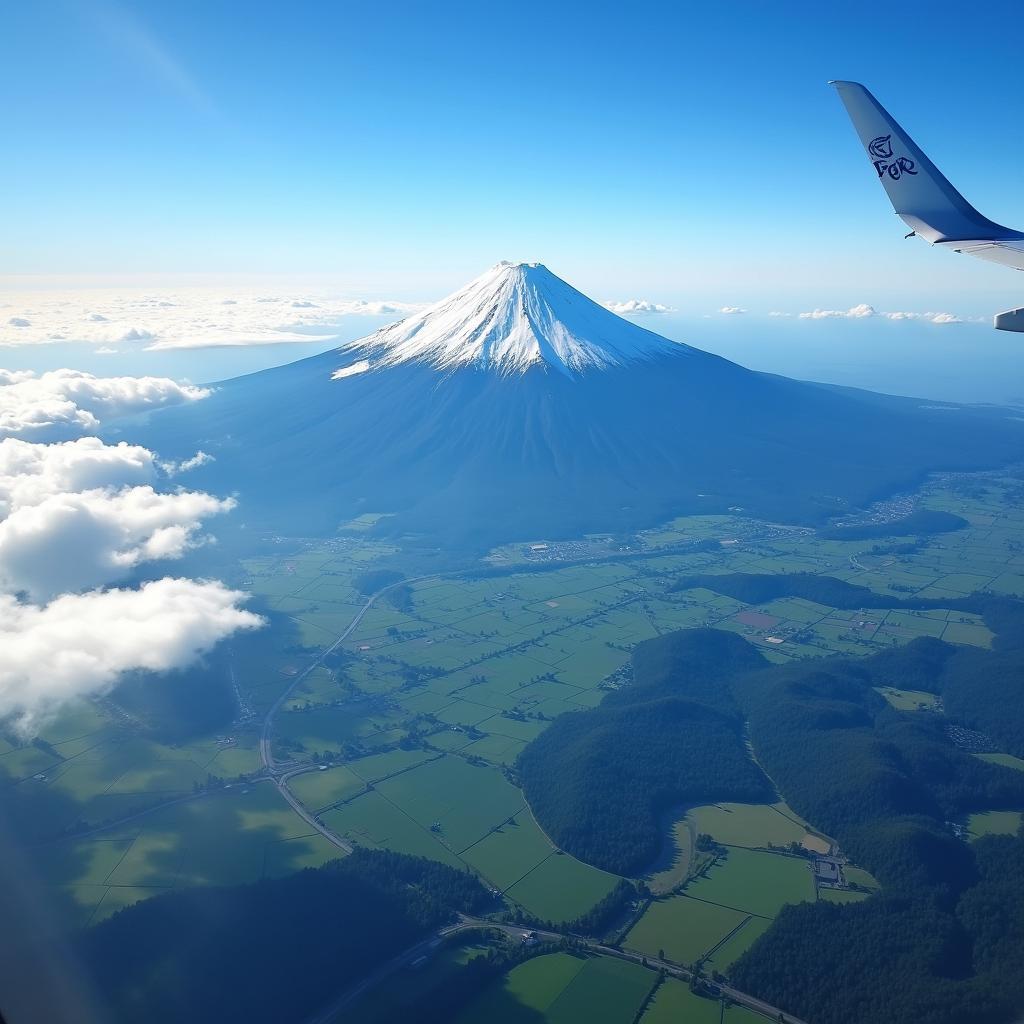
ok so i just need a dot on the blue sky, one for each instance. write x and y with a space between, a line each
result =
691 154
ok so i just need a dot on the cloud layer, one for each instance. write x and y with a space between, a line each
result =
79 644
71 541
186 319
65 403
863 311
30 473
637 307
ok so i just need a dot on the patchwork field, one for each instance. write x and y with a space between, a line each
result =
683 929
429 700
674 1003
564 989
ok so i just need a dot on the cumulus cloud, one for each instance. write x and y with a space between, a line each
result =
778 312
865 311
66 403
32 472
860 312
83 513
186 318
77 516
80 644
200 458
637 307
732 310
73 541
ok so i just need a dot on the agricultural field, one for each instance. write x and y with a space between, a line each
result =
425 705
685 929
723 911
994 823
561 989
241 834
674 1003
1007 760
754 882
749 825
910 700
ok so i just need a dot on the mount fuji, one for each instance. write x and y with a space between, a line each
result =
517 407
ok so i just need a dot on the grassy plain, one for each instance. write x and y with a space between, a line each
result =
748 825
755 883
473 668
994 823
1007 760
685 929
909 700
563 989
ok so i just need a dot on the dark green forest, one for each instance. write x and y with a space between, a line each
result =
234 953
944 943
982 690
910 957
598 780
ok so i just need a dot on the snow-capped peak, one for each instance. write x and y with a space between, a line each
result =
513 317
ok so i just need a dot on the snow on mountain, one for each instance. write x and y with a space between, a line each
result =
509 319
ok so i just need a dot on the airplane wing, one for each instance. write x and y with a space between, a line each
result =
922 195
918 190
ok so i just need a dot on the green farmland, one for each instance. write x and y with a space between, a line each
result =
421 712
564 989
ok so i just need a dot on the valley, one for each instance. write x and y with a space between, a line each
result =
397 722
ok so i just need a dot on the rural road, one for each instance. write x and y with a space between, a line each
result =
280 779
330 1015
266 745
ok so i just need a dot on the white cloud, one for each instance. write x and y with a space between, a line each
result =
80 644
225 340
72 541
777 312
732 310
66 403
865 311
78 515
186 318
83 513
106 350
29 472
860 312
200 458
637 307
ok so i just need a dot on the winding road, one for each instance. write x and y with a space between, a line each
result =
272 768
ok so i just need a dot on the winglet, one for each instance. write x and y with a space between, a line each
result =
917 189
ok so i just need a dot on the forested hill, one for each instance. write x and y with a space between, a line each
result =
945 942
274 951
974 684
938 946
597 779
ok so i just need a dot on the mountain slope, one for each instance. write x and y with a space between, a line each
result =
513 317
519 408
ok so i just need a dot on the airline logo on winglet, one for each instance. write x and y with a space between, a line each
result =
880 151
